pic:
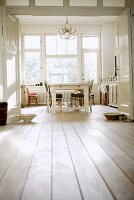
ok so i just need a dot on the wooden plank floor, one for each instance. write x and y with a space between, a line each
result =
67 156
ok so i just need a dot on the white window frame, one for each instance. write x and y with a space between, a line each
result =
43 56
30 50
99 70
61 56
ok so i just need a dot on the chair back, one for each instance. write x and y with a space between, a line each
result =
26 90
47 87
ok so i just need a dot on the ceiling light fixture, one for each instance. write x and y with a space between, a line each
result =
67 31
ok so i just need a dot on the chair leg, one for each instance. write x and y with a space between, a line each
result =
80 102
71 102
29 101
36 101
76 102
83 102
93 100
48 104
90 105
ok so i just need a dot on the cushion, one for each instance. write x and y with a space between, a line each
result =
32 93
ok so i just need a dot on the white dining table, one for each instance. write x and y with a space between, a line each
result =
70 86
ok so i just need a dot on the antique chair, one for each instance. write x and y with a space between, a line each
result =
49 97
32 97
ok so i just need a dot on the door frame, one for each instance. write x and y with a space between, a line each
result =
131 58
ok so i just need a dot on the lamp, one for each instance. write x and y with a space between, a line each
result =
67 31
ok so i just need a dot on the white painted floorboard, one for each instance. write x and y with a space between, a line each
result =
67 156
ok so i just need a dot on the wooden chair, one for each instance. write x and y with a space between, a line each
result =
32 97
49 97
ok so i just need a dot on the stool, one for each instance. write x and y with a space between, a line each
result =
77 99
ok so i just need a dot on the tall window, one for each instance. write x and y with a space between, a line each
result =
31 59
90 52
61 60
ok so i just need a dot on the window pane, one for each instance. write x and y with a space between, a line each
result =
32 68
72 46
50 45
61 46
90 66
32 42
62 70
90 42
55 45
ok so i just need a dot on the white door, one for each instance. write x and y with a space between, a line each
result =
124 76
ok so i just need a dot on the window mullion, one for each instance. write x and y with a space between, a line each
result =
42 70
79 58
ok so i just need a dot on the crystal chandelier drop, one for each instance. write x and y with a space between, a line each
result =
67 31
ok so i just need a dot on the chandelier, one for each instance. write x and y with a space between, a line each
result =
67 31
